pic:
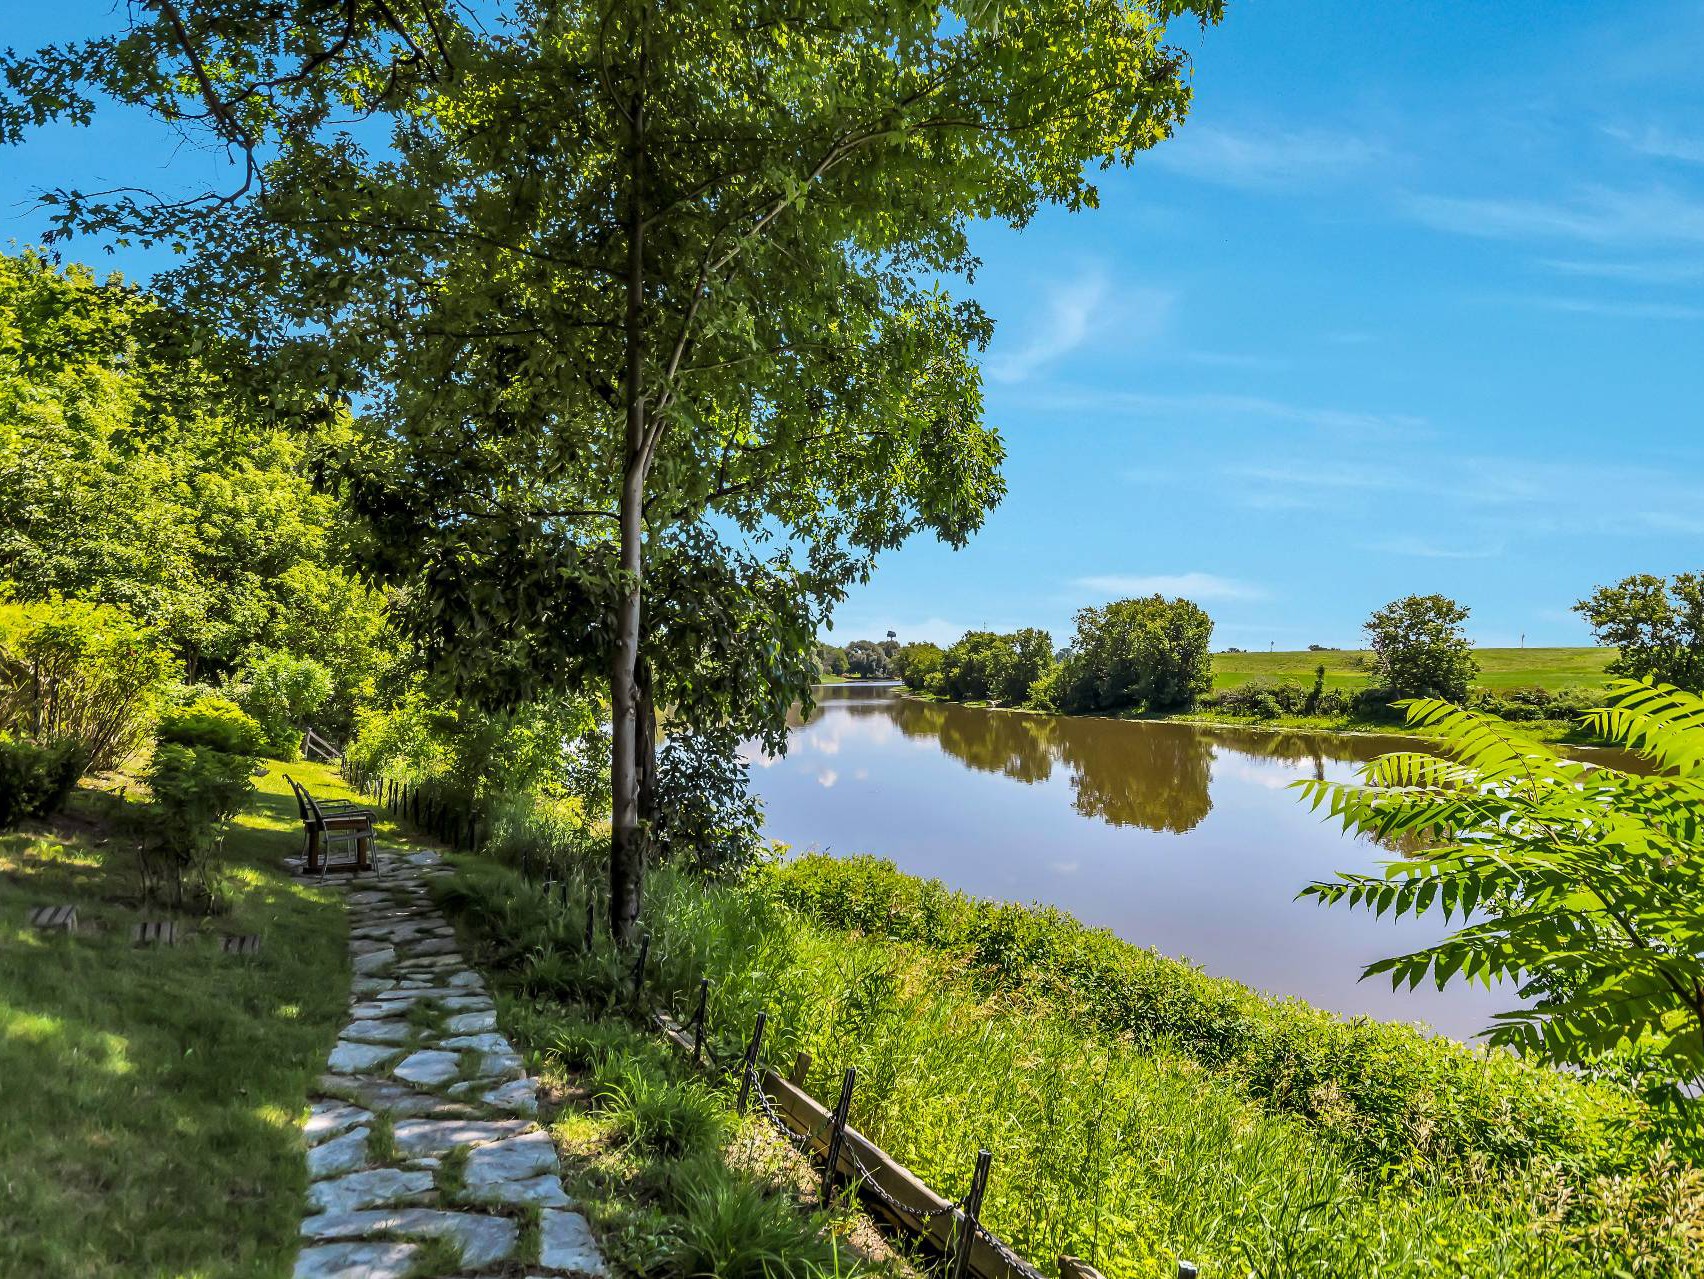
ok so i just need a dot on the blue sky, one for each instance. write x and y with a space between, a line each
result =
1414 302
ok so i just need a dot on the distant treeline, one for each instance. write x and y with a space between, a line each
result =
1153 654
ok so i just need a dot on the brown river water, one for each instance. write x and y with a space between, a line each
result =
1181 837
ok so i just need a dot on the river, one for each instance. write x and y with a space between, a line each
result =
1182 837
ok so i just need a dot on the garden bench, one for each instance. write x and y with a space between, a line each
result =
154 932
331 824
54 919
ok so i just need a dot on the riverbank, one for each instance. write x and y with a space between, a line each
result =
1139 1111
1560 731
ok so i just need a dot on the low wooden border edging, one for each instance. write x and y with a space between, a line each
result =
945 1223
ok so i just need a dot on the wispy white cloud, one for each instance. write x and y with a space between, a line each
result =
1598 215
1266 158
1074 313
1660 143
1646 271
1211 404
1430 551
1618 308
1196 586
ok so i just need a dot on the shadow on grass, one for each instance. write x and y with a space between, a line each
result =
153 1095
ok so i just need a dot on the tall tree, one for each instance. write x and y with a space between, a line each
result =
1655 625
628 267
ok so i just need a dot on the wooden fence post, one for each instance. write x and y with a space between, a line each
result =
698 1021
972 1213
751 1060
837 1131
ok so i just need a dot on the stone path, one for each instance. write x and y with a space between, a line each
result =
422 1142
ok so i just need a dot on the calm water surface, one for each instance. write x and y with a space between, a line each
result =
1179 837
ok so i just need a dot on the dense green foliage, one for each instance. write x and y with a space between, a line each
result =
985 666
82 673
1150 653
132 475
35 780
1579 882
1655 625
917 662
1420 649
283 693
1130 1149
199 777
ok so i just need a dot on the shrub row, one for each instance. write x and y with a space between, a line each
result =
1397 1100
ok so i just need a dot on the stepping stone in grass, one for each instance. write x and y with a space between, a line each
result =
328 1118
54 919
368 964
369 1189
155 932
241 944
471 1023
489 1042
350 1058
434 1136
543 1191
378 1032
566 1243
357 1261
428 1069
341 1154
515 1159
483 1240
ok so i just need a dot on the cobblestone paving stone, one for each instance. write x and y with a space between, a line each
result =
422 1131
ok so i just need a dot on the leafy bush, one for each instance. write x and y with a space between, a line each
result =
1150 652
87 673
282 694
36 780
985 666
1526 704
1420 649
199 777
916 662
212 723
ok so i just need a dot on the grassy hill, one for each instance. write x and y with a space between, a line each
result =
1499 668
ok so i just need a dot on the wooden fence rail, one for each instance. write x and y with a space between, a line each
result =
900 1197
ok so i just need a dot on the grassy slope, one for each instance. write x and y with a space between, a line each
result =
153 1095
1498 667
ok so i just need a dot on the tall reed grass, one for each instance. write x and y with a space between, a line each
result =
1129 1150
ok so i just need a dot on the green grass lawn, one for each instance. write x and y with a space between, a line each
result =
1350 668
152 1096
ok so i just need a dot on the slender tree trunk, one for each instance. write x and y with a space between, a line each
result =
627 845
645 760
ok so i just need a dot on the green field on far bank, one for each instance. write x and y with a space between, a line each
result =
1499 668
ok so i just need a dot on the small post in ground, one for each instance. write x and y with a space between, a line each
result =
698 1021
751 1060
972 1214
837 1130
639 968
